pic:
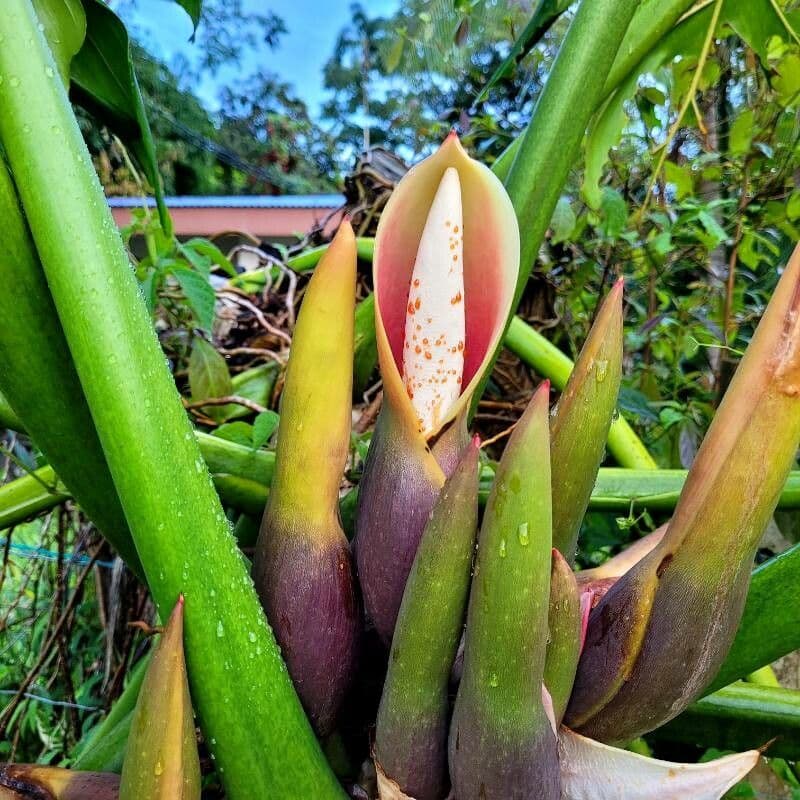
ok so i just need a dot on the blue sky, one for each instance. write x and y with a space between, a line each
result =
312 29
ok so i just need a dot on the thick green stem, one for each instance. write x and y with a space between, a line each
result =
551 143
765 634
544 357
30 495
651 22
40 381
242 476
741 716
501 742
534 349
262 741
302 262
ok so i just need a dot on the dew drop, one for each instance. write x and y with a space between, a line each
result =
601 369
494 681
159 768
502 548
523 535
220 630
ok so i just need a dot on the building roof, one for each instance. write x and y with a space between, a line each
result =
235 201
271 217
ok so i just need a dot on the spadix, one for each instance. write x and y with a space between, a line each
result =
433 348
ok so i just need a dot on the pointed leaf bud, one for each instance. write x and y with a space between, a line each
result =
502 744
581 422
36 782
161 761
565 620
659 635
411 734
303 569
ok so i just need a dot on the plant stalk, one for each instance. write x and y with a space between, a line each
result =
248 708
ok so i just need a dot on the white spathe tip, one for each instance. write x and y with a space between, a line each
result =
435 332
591 770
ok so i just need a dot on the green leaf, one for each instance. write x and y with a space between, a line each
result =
545 14
199 294
787 80
65 29
264 426
793 206
209 377
661 243
679 177
211 252
193 8
239 432
255 384
200 262
391 59
635 402
670 416
712 227
563 222
741 132
756 22
105 83
615 213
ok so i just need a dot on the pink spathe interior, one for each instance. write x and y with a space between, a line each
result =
483 274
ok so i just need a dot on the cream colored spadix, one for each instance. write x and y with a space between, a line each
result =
433 348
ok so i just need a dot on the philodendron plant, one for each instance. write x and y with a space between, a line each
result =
509 674
527 620
551 674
